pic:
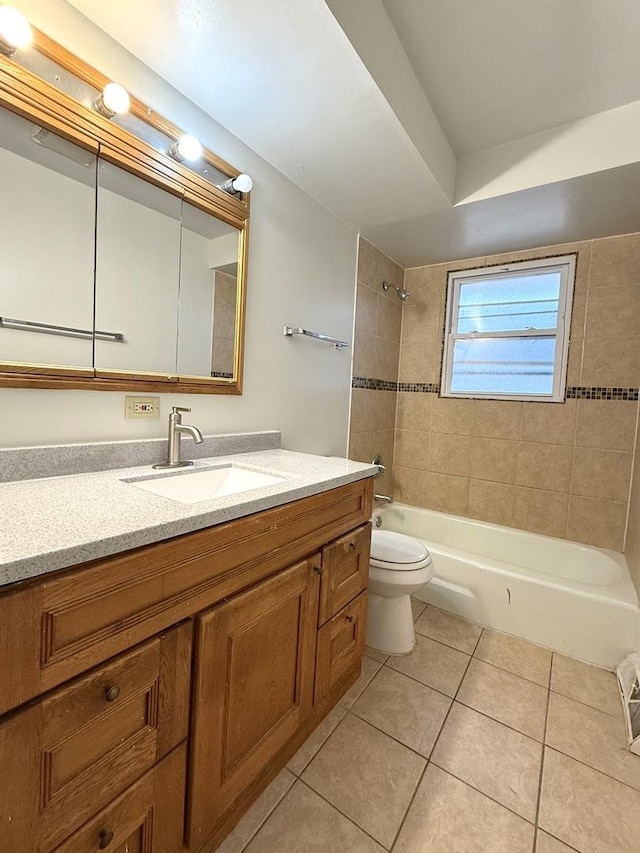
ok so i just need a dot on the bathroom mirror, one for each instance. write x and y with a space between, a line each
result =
47 247
123 268
138 229
208 295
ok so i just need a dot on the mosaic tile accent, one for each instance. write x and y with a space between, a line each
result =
221 374
574 392
373 384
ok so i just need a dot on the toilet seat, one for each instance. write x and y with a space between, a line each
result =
398 552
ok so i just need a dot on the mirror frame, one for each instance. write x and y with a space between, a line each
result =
30 96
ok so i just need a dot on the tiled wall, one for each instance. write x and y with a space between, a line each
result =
376 352
559 469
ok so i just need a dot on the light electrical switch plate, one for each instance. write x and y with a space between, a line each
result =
141 407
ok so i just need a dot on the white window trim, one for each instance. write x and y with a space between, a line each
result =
566 265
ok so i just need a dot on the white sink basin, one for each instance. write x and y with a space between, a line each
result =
194 486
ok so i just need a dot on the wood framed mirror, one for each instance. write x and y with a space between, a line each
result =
123 268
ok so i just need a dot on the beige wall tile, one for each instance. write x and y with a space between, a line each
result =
613 311
421 337
365 356
549 423
427 286
382 442
491 502
544 466
414 410
412 449
361 407
450 454
596 522
611 362
360 447
494 459
391 272
389 319
601 473
615 261
453 416
541 252
497 419
366 311
409 486
388 359
446 493
369 264
541 511
383 410
574 365
417 364
607 424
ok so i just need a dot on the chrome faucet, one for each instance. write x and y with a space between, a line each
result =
176 428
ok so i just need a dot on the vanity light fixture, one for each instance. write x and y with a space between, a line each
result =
15 30
114 101
186 148
241 184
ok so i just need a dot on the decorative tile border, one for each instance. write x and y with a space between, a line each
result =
577 392
220 374
574 392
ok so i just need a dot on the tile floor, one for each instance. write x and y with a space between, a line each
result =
476 741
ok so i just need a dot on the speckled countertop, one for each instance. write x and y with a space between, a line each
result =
54 523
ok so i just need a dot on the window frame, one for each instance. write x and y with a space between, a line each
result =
566 265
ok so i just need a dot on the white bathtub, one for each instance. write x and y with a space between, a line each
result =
569 597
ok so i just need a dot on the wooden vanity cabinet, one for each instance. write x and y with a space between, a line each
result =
148 698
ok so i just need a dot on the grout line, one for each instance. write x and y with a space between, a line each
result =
544 740
336 808
501 722
619 717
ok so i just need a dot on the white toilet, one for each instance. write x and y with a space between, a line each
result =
399 566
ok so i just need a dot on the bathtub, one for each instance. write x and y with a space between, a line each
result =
569 597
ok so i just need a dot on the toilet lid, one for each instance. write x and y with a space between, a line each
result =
390 547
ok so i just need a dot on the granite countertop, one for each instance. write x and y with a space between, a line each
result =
57 522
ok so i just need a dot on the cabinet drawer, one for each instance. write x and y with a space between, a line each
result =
340 646
147 818
74 750
345 571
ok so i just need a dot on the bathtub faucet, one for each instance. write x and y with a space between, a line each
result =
385 499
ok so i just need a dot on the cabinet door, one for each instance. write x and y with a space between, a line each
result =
253 688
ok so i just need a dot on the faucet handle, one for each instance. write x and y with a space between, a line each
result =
176 409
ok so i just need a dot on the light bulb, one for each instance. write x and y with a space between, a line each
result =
113 101
241 184
186 148
15 30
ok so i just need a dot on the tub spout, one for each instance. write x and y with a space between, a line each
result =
385 499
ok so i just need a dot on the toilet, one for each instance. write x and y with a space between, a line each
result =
400 565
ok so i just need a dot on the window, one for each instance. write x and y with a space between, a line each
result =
507 331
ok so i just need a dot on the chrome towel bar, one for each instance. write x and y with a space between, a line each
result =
337 343
64 331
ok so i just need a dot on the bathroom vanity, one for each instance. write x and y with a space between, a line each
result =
148 697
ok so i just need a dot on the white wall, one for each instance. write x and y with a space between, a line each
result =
301 271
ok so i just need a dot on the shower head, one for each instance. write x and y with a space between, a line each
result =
402 294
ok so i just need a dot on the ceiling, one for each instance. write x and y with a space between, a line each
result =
439 130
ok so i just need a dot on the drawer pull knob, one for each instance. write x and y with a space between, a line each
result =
349 618
106 837
112 693
352 546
